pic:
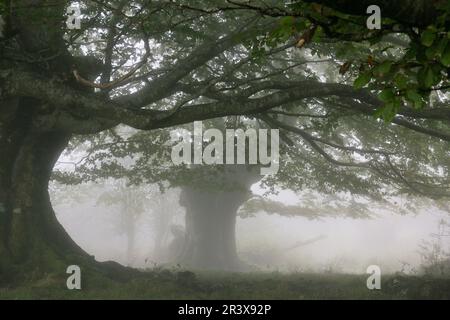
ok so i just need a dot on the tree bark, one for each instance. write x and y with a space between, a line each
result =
410 12
31 236
210 230
211 221
33 244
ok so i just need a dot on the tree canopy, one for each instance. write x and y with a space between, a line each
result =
297 67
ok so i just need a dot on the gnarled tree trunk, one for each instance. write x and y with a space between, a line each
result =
31 237
210 229
211 220
32 241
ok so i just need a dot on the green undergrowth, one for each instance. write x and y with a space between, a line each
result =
167 284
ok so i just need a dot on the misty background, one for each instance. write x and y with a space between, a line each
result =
268 242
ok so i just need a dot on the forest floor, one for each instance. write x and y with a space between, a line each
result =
165 284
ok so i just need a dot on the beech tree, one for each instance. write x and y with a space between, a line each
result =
160 64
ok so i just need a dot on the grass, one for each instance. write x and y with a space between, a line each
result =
166 284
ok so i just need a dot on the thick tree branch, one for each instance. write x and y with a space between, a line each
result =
409 12
165 85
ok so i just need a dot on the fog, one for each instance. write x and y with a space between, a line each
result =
267 242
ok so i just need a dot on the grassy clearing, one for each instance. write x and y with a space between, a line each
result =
165 284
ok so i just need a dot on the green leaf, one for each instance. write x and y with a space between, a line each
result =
412 95
442 46
415 98
287 22
445 58
362 80
428 37
432 52
383 68
388 112
427 77
401 81
387 95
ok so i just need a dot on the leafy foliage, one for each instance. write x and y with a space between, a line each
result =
403 75
341 151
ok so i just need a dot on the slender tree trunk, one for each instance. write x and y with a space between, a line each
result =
130 230
161 230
